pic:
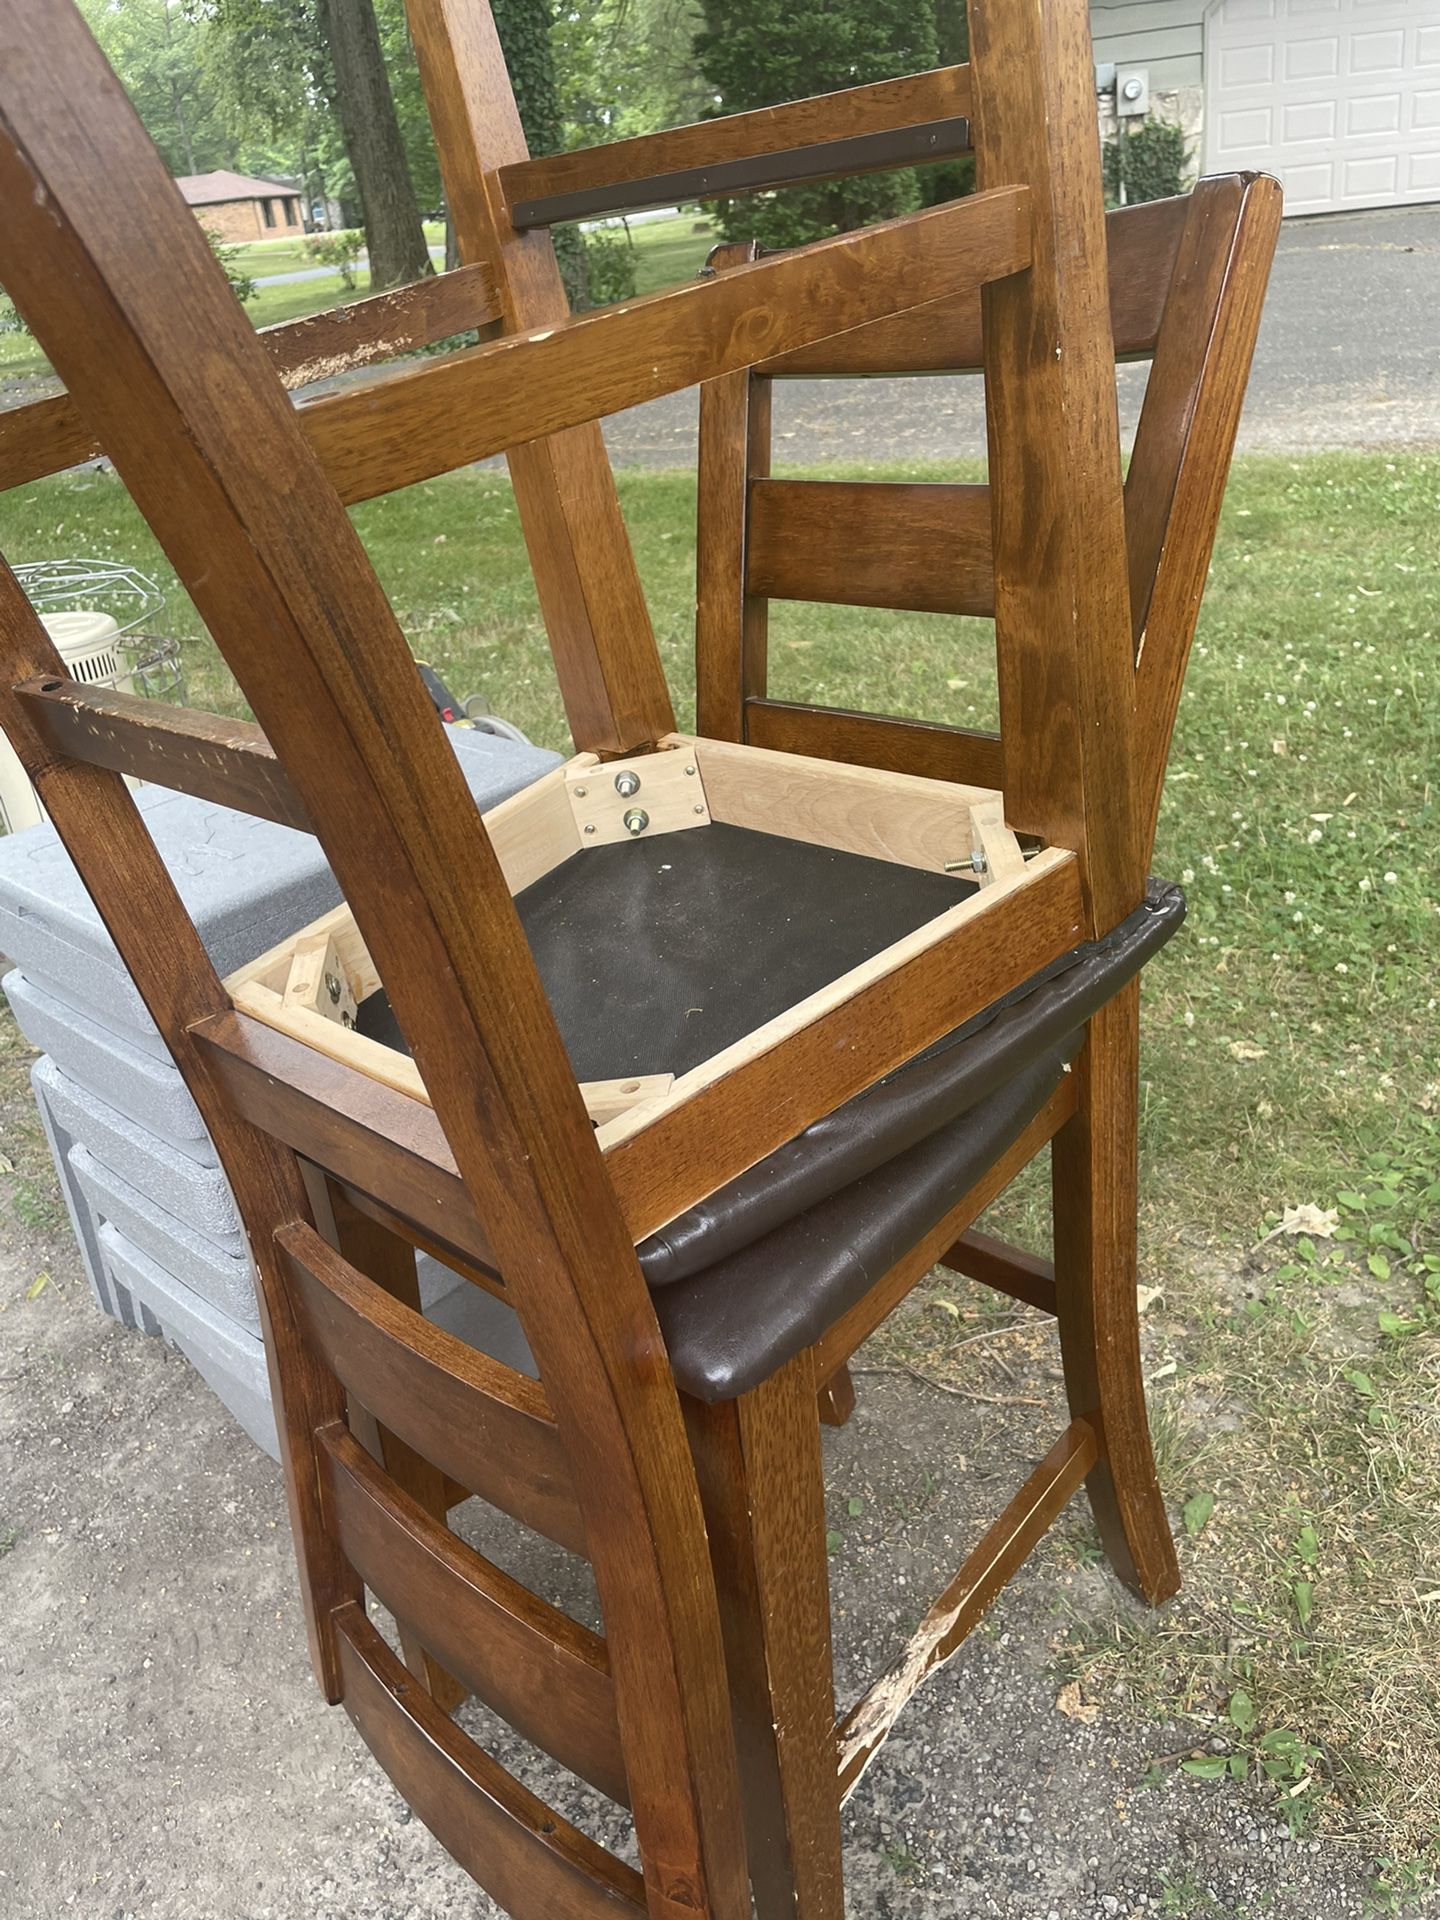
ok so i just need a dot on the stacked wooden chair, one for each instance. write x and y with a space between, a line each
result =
701 1052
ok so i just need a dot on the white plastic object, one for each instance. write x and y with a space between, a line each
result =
86 642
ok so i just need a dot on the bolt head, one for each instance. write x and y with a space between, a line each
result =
627 782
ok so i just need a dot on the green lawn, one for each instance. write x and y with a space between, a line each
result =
262 257
1291 1061
669 251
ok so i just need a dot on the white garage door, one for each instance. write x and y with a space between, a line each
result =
1341 98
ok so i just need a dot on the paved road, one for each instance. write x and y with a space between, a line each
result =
320 273
1347 358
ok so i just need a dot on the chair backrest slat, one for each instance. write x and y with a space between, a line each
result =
1141 244
703 161
46 436
535 1666
528 1857
871 545
1186 281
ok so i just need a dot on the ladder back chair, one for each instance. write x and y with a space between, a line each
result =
1186 282
695 1055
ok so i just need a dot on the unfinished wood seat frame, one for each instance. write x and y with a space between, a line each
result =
704 1524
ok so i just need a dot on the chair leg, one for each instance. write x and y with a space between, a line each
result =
837 1398
759 1468
1095 1202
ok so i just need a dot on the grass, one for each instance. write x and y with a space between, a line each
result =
669 251
1290 1062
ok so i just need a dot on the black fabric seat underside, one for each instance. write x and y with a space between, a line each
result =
658 953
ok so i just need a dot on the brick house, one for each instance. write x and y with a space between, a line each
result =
1340 98
238 208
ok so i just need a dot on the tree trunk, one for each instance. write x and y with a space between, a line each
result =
394 235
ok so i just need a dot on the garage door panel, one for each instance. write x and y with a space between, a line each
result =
1307 60
1247 67
1378 52
1379 114
1307 120
1339 97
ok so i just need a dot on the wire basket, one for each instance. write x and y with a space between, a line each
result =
147 662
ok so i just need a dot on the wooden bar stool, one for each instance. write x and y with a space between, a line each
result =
700 1052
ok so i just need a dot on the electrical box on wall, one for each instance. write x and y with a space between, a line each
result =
1132 91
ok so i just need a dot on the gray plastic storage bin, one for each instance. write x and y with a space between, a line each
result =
151 1209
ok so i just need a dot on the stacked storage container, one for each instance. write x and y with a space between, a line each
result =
152 1211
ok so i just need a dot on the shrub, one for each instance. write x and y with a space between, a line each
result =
609 265
1146 163
340 250
227 253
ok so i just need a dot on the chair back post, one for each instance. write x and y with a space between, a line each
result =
169 374
731 622
1184 442
606 660
1062 614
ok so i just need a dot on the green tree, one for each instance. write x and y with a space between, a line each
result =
394 235
155 46
754 53
525 28
626 67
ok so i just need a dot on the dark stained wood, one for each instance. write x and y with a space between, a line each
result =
406 1230
1005 1546
758 1460
1006 1269
356 1129
962 754
942 94
234 482
1184 442
1062 624
546 1675
521 1852
1142 244
761 173
487 1426
837 1399
43 437
730 622
590 595
1095 1200
921 546
321 345
229 762
527 386
697 1146
390 1263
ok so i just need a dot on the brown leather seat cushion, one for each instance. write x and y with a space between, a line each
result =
657 954
879 1173
731 1325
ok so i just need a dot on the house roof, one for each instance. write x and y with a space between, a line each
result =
210 189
